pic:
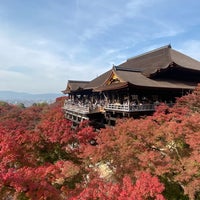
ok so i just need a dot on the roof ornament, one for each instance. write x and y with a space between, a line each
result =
114 67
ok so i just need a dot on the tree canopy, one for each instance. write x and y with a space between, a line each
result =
156 157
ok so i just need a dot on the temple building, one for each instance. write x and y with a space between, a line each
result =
133 88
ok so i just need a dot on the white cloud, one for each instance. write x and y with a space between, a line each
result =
135 8
82 39
33 69
21 64
10 80
191 48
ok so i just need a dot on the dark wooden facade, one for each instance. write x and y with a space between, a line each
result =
133 88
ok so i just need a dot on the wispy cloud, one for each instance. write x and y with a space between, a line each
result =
36 67
44 43
191 48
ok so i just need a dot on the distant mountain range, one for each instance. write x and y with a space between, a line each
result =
27 98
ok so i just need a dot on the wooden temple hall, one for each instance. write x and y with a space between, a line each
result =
133 88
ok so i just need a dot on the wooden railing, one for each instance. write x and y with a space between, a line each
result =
83 109
130 108
86 109
76 108
117 107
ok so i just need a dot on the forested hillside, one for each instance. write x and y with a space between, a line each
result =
157 157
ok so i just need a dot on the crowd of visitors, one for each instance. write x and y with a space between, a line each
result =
95 104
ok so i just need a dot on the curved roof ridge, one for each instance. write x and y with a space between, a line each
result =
121 68
149 62
77 81
98 81
152 51
184 61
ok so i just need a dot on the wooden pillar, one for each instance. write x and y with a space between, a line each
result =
128 92
113 97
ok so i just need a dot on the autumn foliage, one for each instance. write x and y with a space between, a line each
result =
156 157
146 187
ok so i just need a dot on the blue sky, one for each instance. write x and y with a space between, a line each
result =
44 43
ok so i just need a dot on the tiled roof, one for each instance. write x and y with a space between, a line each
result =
74 85
99 81
145 71
115 86
159 59
138 79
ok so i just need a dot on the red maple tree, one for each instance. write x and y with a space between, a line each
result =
156 157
